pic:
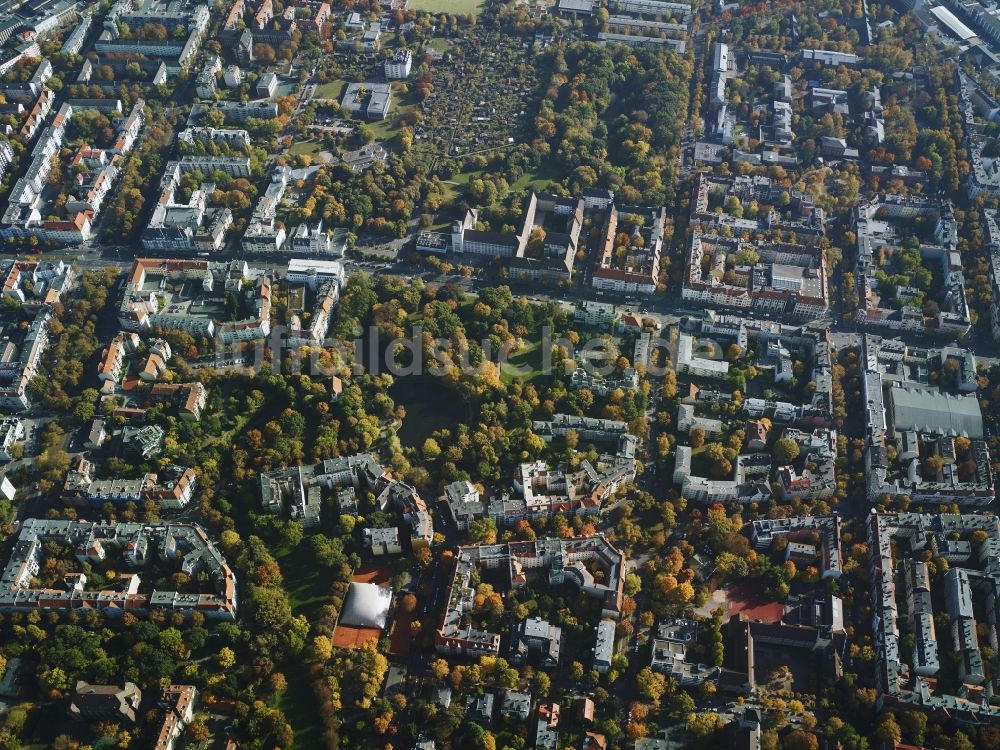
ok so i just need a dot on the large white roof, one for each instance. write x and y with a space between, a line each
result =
951 22
305 265
366 606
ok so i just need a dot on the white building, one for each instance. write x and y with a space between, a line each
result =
399 65
11 433
692 364
383 541
233 76
311 240
604 648
463 502
205 83
594 313
267 84
314 272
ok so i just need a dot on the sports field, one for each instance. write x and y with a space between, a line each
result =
462 7
348 636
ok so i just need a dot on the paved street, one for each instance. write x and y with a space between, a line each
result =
385 258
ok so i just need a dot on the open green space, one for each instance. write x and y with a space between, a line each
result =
307 590
466 7
538 179
310 148
457 185
429 405
298 703
330 90
286 88
440 45
306 586
388 128
525 364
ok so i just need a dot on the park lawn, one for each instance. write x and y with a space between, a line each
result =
443 224
457 185
464 178
307 590
537 180
528 359
310 148
385 130
465 7
451 193
330 90
438 44
298 704
388 128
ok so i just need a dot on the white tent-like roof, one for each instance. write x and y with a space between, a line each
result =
366 606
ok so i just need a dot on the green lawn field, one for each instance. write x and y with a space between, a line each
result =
330 90
311 148
465 7
525 364
439 45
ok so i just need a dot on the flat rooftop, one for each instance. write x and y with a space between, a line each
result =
926 410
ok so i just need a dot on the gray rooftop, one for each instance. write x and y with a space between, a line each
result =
930 411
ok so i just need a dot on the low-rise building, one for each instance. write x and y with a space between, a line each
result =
235 138
556 560
604 646
173 492
383 541
205 84
24 353
114 357
267 84
895 540
880 225
91 542
463 502
190 226
11 433
785 280
800 529
480 708
105 702
669 656
372 100
300 489
516 704
628 380
546 731
32 209
637 271
536 636
96 435
177 702
190 398
707 363
238 113
596 314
